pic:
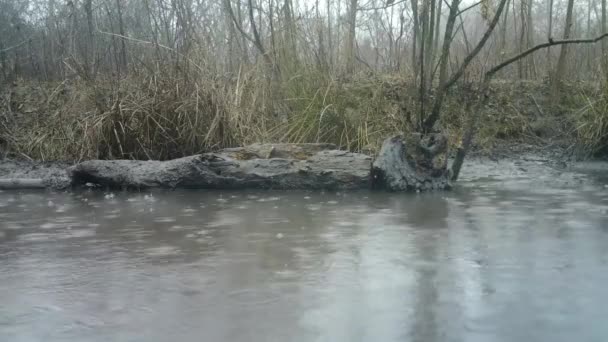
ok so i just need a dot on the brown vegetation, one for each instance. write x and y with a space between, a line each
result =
144 119
163 79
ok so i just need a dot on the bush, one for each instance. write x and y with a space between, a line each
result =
154 117
592 125
159 115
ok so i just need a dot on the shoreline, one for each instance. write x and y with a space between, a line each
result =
520 161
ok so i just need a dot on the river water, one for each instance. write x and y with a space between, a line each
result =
493 260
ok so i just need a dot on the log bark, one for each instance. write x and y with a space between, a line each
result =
281 166
16 175
22 183
414 162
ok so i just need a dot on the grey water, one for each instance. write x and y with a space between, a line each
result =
490 261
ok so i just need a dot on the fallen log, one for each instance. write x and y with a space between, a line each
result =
413 162
279 166
22 183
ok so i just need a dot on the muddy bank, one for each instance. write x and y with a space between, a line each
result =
291 166
529 166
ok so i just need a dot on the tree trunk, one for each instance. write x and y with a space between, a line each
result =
329 37
429 47
560 70
89 44
444 82
604 58
256 34
589 34
464 35
256 39
289 38
416 37
503 34
413 162
549 37
239 13
350 40
321 52
437 27
522 63
3 65
422 60
273 37
123 44
444 63
530 39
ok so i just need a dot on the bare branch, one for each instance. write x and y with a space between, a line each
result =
469 8
468 59
551 42
16 46
476 112
444 86
254 29
151 43
387 6
237 24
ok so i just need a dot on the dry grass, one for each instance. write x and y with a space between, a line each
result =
159 116
592 125
150 117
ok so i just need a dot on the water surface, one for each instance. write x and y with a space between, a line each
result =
491 261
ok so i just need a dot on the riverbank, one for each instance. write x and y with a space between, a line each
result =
43 121
136 119
551 166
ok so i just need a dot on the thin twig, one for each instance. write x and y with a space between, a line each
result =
152 43
16 46
388 5
473 120
551 42
470 7
479 46
444 86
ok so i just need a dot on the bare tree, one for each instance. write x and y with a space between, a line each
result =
121 31
416 36
550 34
473 119
560 69
604 44
444 82
350 40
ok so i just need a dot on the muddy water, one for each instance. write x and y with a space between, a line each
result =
491 261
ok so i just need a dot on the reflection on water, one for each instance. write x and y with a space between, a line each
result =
488 262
